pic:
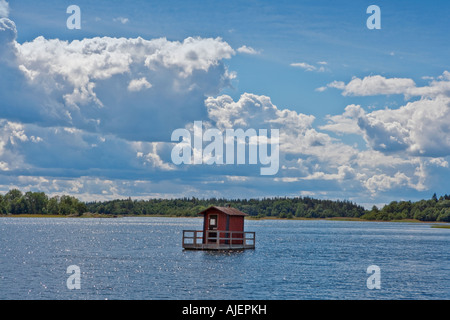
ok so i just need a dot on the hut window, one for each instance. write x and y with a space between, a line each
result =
213 221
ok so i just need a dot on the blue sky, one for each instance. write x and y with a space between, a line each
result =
362 113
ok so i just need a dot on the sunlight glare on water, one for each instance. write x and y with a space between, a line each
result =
142 258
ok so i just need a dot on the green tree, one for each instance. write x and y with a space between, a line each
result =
444 215
35 202
69 205
3 209
434 197
14 202
53 205
301 210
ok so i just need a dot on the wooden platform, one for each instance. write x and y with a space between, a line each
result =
218 240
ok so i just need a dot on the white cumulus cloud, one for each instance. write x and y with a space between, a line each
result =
379 85
4 9
247 50
398 141
420 127
139 84
90 83
309 67
122 20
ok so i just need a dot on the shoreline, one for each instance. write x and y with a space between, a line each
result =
349 219
442 224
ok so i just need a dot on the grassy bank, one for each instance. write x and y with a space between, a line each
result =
443 226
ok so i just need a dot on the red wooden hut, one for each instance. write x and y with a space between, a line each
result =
223 229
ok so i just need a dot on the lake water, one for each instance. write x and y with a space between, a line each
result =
142 258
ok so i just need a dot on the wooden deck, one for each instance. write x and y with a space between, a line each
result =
218 240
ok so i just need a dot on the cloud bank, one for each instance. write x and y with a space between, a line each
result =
111 85
94 117
419 128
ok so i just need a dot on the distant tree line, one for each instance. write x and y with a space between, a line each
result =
16 202
424 210
267 207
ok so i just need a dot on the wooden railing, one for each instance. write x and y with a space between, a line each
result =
218 240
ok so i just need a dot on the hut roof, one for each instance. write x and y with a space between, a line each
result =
227 210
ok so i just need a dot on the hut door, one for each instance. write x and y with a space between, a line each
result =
212 225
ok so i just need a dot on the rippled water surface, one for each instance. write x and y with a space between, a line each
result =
142 258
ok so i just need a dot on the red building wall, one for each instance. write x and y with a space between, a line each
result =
236 223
